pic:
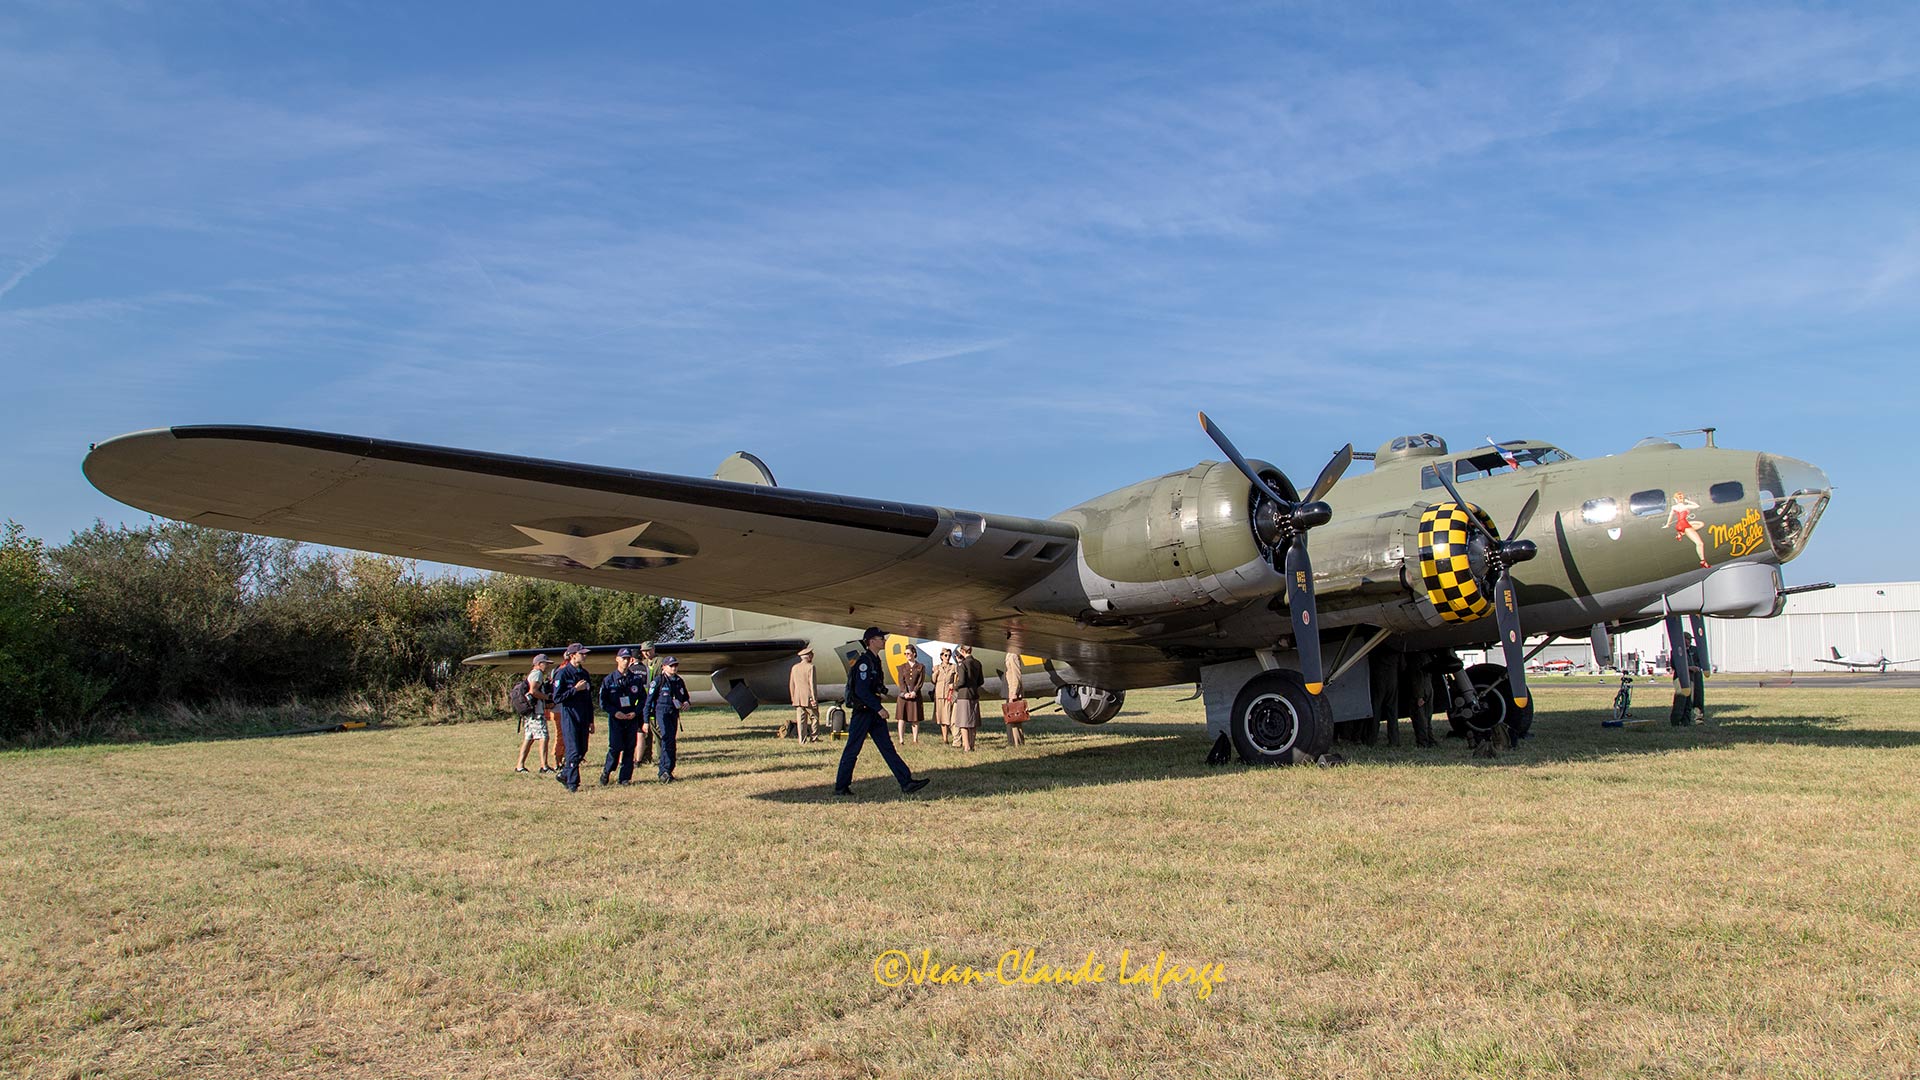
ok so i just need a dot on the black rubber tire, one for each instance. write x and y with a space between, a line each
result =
1106 706
1493 677
1273 715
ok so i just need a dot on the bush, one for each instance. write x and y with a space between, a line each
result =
520 613
42 694
167 618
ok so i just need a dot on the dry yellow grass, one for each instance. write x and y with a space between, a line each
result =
1736 900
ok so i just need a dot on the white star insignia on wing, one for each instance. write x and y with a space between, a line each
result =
592 552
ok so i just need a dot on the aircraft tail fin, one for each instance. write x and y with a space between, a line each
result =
743 468
1835 650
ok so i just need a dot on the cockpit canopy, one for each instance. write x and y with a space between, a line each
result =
1409 446
1510 456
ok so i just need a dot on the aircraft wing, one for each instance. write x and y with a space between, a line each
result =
828 558
696 657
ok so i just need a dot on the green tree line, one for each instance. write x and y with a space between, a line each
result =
124 622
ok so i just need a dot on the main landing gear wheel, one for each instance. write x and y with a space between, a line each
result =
1273 716
1496 702
1090 704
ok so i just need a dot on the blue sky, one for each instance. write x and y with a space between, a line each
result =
1016 246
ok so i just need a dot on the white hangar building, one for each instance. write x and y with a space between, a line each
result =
1863 620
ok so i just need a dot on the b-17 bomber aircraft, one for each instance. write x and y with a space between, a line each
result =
1202 574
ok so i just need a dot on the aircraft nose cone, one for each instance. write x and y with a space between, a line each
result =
1793 495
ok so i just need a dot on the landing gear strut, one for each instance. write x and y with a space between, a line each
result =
1482 707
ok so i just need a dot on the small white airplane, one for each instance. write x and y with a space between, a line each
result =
1862 662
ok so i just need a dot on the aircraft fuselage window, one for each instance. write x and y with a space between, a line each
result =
1727 491
1599 511
1648 503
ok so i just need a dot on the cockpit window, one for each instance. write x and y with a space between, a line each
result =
1492 462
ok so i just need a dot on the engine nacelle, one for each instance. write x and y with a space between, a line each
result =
1090 704
1193 539
1181 540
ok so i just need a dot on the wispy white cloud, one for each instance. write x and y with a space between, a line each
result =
945 351
43 250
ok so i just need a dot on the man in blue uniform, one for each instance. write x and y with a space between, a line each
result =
573 697
623 694
866 682
664 702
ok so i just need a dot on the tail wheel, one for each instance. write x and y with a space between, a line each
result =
1273 716
1496 701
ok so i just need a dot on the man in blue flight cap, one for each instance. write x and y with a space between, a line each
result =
664 702
573 697
622 695
866 683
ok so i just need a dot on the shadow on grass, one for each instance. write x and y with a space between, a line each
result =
1173 751
991 772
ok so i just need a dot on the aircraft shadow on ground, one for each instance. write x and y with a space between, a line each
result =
1155 751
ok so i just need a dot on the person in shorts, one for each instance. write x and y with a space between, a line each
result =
534 726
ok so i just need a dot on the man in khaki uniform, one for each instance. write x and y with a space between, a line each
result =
806 705
1015 735
652 663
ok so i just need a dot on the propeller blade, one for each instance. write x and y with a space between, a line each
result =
1306 624
1526 515
1331 475
1677 654
1239 461
1506 612
1445 472
1699 624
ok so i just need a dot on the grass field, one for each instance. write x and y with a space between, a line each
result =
1730 901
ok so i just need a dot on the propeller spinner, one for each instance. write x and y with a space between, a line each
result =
1281 525
1501 557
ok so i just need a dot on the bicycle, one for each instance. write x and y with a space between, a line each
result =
1622 701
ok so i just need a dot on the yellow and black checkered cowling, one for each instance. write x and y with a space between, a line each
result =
1444 569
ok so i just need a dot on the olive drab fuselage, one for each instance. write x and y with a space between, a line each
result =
1174 559
1173 563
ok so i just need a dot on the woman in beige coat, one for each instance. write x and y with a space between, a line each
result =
1015 735
943 695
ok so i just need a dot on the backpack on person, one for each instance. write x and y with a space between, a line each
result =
517 699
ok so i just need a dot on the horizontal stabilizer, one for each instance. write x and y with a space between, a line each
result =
696 657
